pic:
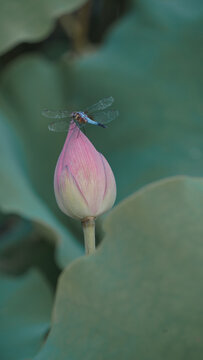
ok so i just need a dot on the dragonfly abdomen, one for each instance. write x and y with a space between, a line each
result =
90 120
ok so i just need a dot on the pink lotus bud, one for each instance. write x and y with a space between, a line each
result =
84 183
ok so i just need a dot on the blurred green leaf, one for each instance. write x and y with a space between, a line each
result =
30 20
140 295
13 230
152 64
25 309
22 247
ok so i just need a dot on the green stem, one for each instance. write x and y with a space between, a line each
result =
88 225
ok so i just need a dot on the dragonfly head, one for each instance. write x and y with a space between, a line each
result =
76 116
73 115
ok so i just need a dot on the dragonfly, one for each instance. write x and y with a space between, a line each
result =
97 114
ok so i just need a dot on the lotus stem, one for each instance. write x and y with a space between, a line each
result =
88 225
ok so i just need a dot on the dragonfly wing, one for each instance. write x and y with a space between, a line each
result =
100 105
106 116
59 114
59 126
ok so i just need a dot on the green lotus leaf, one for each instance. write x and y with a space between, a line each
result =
25 309
139 296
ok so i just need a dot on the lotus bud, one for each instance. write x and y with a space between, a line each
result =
84 183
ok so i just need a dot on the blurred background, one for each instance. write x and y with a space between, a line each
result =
59 54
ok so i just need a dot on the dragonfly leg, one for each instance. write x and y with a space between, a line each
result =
84 130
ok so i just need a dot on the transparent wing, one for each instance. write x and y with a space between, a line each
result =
105 117
59 126
58 114
100 105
